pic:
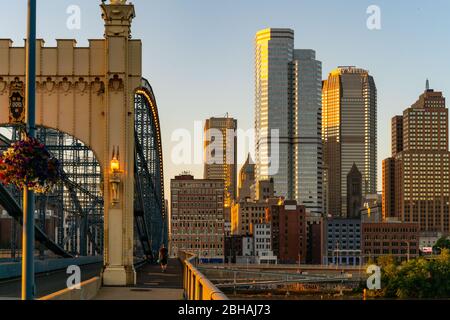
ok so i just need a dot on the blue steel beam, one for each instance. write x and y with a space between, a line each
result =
15 211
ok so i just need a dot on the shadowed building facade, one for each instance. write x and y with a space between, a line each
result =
289 231
349 134
354 193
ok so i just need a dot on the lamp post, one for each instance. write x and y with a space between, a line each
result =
337 255
28 289
407 253
300 240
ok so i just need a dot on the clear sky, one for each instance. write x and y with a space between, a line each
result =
198 54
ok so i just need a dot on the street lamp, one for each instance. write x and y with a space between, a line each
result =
28 289
300 238
115 178
337 255
407 253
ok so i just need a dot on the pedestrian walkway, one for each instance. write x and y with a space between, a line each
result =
152 284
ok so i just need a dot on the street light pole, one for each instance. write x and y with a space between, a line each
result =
28 289
407 253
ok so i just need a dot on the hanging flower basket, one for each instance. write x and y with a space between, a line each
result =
27 163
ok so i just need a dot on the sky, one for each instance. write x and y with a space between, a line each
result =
198 54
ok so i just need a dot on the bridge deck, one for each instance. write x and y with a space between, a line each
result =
152 284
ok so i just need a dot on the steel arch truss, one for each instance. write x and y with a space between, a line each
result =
76 203
150 211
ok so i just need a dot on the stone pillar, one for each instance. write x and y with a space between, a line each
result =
119 115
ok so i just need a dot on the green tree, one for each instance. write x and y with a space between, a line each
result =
413 280
389 270
442 243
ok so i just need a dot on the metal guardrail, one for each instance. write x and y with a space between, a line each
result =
196 285
88 290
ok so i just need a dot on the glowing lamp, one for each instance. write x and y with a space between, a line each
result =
115 179
115 165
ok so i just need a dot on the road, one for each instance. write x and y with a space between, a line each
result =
47 283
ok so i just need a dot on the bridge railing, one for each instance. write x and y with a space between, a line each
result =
195 284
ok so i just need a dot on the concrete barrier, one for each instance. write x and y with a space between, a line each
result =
11 270
88 291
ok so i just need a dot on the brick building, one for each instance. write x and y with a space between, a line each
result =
197 217
289 231
392 237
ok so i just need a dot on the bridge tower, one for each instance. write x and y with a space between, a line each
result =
89 93
123 69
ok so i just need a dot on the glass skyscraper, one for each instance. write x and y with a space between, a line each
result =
288 107
349 134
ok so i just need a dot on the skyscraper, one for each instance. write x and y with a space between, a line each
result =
422 166
220 154
389 189
288 101
246 179
349 134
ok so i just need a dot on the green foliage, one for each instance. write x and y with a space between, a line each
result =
442 243
417 278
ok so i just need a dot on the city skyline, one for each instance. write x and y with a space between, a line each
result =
399 67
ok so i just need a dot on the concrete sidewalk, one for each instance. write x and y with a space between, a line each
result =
152 284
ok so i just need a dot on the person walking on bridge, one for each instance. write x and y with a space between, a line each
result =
163 257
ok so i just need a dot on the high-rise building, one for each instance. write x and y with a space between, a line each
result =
422 168
246 179
349 134
397 135
197 219
220 154
389 189
354 192
288 102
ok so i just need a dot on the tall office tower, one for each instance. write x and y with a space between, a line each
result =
390 205
422 167
288 100
307 140
396 135
389 187
246 179
349 134
220 156
197 217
